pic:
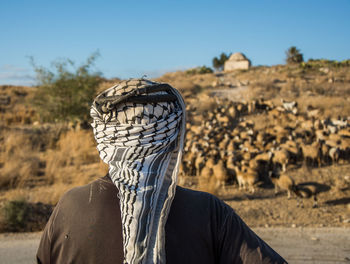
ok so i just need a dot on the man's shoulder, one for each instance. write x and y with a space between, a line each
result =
191 194
198 201
88 191
196 195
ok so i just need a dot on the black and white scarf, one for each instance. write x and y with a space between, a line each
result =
142 144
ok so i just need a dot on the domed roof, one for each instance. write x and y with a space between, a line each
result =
237 57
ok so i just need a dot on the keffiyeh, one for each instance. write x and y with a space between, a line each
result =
142 144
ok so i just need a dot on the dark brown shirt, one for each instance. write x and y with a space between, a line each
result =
86 227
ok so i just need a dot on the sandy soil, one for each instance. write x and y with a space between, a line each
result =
264 208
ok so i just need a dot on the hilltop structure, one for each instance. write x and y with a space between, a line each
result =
237 61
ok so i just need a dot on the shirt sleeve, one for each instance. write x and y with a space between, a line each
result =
43 255
239 244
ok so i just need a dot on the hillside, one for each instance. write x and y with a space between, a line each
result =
237 121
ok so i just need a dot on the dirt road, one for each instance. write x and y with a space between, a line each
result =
309 245
296 245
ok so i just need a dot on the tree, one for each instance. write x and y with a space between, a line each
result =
65 94
218 63
294 56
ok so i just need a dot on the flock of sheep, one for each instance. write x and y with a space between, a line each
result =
222 144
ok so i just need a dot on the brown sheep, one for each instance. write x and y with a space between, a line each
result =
199 162
220 173
334 154
246 178
281 157
312 152
345 132
293 150
306 191
285 183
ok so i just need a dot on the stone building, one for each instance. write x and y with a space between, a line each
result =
237 61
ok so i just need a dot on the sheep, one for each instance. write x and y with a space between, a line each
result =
335 137
196 129
321 135
261 104
283 182
312 112
339 123
281 158
220 173
334 154
293 150
290 106
312 152
232 111
230 146
224 143
345 133
199 163
246 178
261 163
305 190
206 172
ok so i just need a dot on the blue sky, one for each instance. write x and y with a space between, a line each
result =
152 37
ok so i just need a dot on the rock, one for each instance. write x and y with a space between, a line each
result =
324 70
5 99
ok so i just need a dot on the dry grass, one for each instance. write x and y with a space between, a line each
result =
328 105
74 149
41 167
20 160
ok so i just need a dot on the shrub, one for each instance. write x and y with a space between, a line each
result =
65 95
199 70
14 215
319 63
219 62
294 56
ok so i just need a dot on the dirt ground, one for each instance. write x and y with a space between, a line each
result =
264 208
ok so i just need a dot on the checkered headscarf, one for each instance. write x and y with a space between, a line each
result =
142 144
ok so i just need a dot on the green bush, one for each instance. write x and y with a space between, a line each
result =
199 70
14 214
66 94
294 56
219 62
319 63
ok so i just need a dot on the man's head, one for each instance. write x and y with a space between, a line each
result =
139 127
136 101
137 112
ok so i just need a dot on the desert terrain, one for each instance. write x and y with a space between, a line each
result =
248 131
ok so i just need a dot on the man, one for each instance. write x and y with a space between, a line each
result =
137 214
